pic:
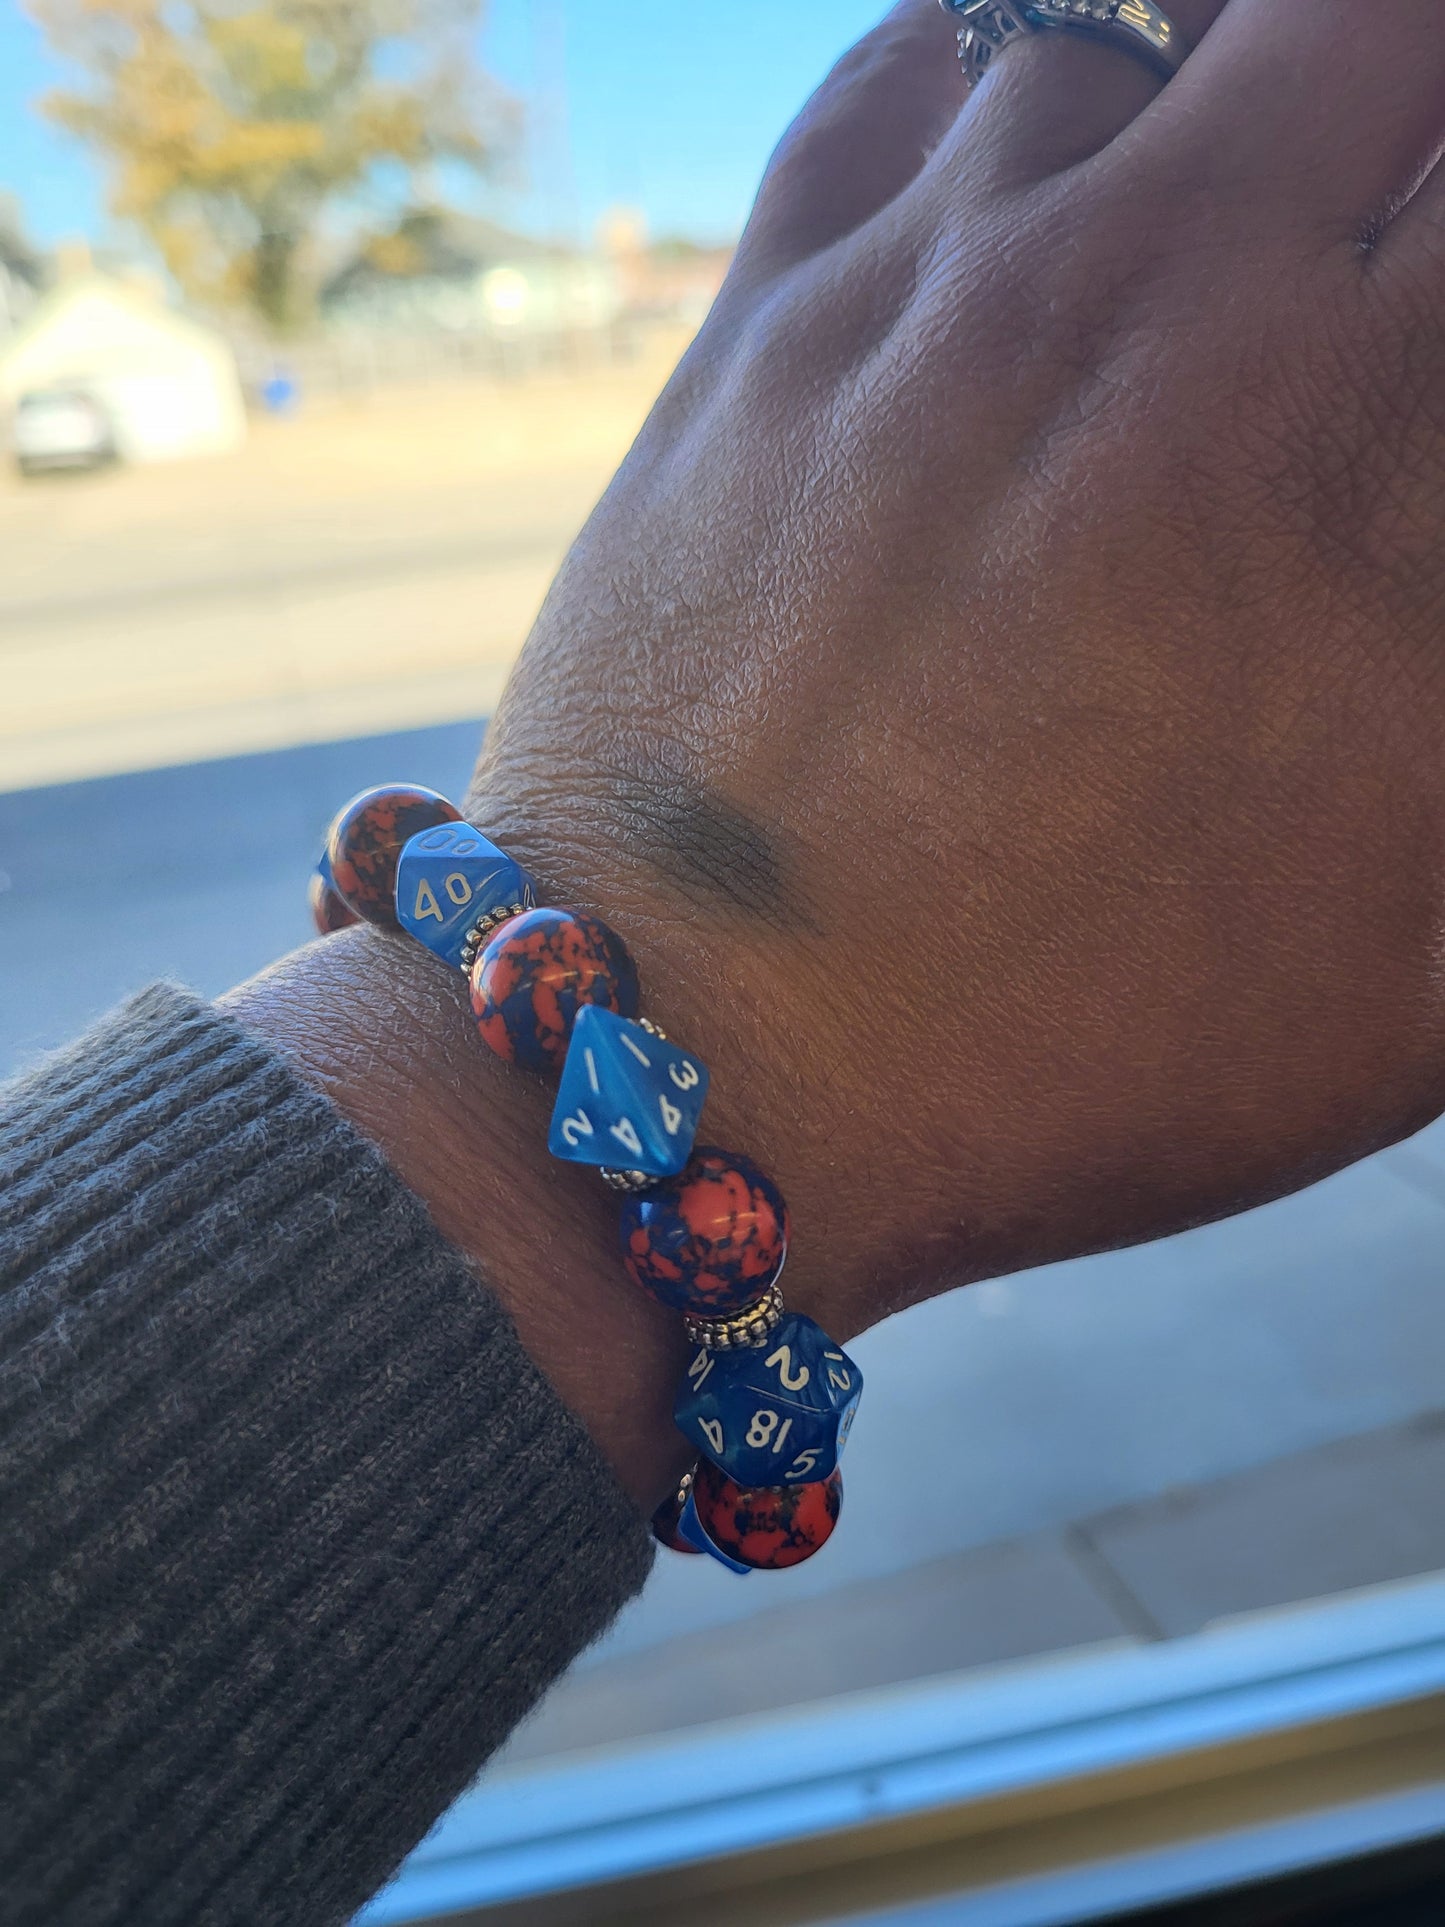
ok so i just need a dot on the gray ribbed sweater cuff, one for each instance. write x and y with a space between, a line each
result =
294 1530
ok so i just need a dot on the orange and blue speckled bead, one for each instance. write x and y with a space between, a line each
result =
535 975
766 1527
367 840
329 910
712 1240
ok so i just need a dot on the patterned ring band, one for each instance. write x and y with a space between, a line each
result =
985 28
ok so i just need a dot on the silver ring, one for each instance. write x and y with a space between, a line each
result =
985 28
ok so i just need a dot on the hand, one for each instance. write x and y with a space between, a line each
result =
1002 697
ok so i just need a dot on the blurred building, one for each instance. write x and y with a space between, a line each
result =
445 272
21 275
671 279
168 386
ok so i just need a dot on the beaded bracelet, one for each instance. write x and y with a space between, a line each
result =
768 1398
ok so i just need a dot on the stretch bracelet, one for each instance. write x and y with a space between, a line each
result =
767 1398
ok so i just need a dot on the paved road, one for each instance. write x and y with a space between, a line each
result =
371 565
361 619
197 873
1011 1408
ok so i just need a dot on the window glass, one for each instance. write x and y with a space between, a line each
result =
273 527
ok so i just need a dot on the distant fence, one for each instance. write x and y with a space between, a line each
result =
353 362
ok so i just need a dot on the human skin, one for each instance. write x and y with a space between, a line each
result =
1001 699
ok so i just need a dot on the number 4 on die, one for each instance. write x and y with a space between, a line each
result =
628 1099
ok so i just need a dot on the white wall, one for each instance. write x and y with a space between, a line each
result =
170 386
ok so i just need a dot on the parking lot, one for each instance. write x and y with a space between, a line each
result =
373 563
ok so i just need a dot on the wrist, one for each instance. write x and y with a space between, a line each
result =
817 1087
388 1035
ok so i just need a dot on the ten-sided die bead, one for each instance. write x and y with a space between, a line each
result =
449 879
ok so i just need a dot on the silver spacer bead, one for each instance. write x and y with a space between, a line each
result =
747 1330
477 938
630 1181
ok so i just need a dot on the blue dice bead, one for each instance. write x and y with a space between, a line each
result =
447 879
773 1414
628 1100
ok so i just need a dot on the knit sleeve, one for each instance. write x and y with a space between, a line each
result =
294 1530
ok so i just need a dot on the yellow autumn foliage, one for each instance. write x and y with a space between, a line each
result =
235 131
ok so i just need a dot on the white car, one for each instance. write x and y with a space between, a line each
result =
57 428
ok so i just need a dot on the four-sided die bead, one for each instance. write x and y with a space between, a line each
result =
628 1099
774 1414
448 879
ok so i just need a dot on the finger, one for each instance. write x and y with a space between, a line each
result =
1057 97
1315 111
859 141
1414 240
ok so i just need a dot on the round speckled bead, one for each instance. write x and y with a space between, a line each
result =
766 1527
710 1241
367 840
666 1521
535 975
328 910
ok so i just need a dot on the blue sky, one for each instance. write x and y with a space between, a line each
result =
672 107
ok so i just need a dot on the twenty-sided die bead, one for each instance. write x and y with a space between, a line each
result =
773 1414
